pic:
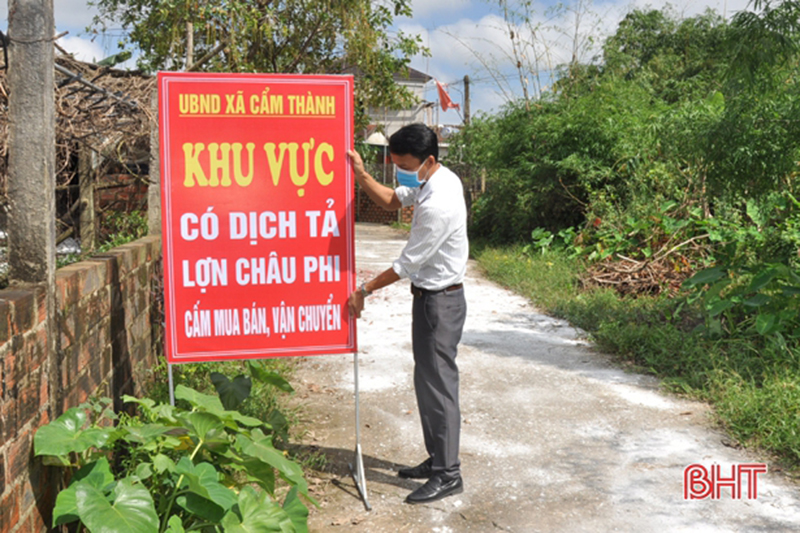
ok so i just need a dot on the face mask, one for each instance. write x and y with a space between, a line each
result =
407 178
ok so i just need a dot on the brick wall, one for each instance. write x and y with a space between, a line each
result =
368 211
105 346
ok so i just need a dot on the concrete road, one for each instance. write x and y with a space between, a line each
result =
555 437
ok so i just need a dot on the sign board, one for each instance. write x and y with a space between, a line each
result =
257 215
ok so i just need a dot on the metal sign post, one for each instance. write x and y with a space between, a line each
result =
171 385
357 468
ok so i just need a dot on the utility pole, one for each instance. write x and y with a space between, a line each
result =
189 45
466 100
32 209
31 142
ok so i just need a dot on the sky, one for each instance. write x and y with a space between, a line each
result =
465 37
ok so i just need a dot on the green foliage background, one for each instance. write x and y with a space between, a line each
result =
680 146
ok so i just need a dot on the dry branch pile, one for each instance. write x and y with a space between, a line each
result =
98 109
663 272
630 277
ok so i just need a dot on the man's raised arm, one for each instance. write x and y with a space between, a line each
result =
382 195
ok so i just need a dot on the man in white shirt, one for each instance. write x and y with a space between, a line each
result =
435 261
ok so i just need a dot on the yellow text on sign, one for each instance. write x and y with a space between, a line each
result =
223 164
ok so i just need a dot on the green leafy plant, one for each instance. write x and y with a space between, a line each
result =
171 469
763 299
542 239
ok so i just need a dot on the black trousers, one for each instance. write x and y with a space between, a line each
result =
438 321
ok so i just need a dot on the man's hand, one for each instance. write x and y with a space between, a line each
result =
358 163
356 303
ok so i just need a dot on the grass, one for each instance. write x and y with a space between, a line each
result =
753 384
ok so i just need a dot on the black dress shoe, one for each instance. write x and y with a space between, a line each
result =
421 471
438 486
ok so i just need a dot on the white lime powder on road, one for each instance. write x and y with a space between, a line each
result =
555 438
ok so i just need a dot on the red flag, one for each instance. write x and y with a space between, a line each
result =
444 98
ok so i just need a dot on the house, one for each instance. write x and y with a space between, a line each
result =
389 121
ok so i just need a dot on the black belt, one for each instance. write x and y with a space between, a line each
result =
418 291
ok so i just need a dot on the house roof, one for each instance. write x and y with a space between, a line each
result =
412 74
407 74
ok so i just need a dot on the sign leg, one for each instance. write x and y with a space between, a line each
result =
171 385
357 467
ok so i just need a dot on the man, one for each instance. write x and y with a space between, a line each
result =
435 261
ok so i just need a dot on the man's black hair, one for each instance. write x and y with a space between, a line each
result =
416 139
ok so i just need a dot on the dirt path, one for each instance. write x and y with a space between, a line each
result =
555 438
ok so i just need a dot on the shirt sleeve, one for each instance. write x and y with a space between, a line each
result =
427 236
406 195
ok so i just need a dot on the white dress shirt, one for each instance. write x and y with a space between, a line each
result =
436 254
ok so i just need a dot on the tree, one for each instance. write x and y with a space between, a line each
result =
272 36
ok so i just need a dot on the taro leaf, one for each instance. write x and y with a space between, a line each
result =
144 470
97 474
162 464
762 279
198 399
231 393
131 512
280 425
758 300
708 275
207 427
203 480
201 507
260 447
244 420
144 402
261 473
298 513
175 525
790 290
720 306
56 460
66 434
766 324
256 512
269 378
212 404
145 434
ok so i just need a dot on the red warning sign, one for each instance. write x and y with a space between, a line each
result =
257 215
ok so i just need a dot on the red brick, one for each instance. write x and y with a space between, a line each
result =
95 308
153 243
66 328
5 321
22 308
36 347
127 258
40 292
19 454
71 397
38 521
91 347
67 291
44 392
108 360
69 366
27 403
92 277
8 368
9 511
85 388
9 413
25 525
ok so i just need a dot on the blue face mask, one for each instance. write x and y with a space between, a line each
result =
407 178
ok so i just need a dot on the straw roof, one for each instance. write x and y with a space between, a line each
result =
105 110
